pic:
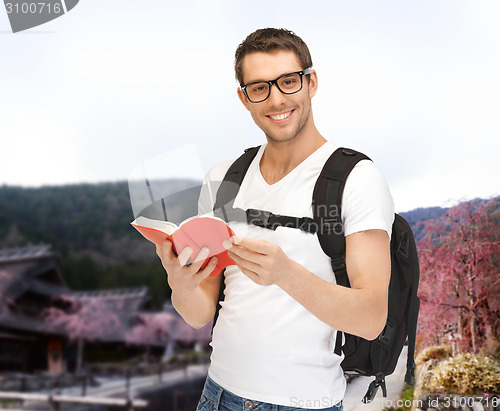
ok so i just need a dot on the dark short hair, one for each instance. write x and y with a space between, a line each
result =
268 40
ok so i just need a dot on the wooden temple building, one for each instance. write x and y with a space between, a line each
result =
31 285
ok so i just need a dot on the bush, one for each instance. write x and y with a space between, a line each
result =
407 396
440 352
465 374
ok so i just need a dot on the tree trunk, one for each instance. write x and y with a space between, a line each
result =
79 359
459 333
473 334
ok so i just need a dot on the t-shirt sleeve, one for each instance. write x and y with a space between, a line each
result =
367 203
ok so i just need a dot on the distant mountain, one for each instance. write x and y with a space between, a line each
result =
417 217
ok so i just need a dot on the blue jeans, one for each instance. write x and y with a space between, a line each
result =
216 398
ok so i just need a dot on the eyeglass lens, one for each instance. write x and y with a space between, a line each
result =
288 84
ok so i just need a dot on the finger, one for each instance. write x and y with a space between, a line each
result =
164 250
259 246
244 264
253 276
184 256
199 260
202 255
208 269
247 254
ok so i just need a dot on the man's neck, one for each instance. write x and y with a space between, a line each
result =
280 158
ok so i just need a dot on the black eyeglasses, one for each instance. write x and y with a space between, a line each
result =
289 83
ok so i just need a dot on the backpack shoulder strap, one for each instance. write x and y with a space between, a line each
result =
232 181
225 197
327 198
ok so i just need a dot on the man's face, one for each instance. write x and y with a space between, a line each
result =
281 117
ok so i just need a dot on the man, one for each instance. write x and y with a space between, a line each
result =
273 341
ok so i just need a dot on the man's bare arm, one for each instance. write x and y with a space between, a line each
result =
194 293
360 310
198 307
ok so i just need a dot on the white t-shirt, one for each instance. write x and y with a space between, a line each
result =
266 346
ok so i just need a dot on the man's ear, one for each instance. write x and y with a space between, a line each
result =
243 98
313 83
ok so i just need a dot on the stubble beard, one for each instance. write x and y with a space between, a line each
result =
272 138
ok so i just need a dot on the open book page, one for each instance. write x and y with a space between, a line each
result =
155 231
165 226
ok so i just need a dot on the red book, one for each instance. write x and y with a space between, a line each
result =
195 232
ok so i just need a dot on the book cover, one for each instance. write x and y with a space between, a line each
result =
195 232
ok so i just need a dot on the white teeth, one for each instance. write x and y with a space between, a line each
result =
281 116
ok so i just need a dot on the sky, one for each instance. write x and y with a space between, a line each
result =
92 95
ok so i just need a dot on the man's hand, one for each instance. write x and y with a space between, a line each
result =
183 273
262 262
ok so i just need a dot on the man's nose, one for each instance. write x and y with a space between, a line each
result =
276 97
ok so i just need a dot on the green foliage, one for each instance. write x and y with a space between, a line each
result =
465 374
83 273
406 399
8 403
117 354
73 217
407 396
138 274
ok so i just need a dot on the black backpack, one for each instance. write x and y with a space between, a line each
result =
376 358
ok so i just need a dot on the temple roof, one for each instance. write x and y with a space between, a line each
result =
9 255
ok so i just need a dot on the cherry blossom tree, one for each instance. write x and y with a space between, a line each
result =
460 282
152 329
165 328
188 335
84 319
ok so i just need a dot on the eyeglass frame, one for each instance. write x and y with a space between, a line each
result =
301 73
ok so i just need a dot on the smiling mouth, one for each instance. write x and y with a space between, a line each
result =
281 116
